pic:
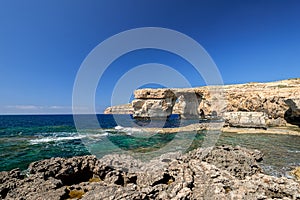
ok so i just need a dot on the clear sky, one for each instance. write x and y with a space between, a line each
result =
43 43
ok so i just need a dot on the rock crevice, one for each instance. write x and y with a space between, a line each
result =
292 115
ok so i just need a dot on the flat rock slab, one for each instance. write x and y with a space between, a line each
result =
246 119
276 130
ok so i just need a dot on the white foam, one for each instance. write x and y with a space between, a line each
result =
67 136
55 139
128 130
119 127
95 136
132 129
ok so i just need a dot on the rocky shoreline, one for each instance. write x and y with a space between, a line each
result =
198 127
223 172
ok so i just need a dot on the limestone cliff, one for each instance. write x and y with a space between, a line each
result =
269 98
120 109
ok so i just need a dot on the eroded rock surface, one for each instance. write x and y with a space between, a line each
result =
188 103
296 173
120 109
268 98
246 119
159 103
223 172
151 103
153 108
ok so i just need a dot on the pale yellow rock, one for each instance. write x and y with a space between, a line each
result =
296 172
120 109
245 119
153 93
152 108
277 130
190 128
252 97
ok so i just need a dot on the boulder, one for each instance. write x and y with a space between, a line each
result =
245 119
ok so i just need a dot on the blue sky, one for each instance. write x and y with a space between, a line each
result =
43 43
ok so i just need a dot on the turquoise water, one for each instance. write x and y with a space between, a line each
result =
24 139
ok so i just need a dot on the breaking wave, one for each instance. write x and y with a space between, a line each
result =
63 136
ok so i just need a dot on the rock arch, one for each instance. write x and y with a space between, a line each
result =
159 103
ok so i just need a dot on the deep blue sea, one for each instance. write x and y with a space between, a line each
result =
28 138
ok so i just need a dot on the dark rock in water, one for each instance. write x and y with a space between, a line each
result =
223 172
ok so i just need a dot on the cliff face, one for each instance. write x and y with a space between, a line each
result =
120 109
157 103
279 101
152 103
268 98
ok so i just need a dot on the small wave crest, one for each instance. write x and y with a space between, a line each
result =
295 151
57 137
119 127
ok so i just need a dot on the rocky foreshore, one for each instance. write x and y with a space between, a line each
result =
199 127
223 172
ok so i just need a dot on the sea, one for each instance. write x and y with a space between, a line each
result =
28 138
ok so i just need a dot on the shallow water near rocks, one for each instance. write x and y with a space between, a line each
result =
24 139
